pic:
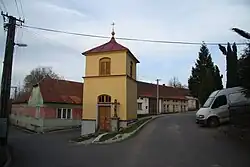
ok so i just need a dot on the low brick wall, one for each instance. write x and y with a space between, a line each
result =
240 116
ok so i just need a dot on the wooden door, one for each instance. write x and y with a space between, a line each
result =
152 106
105 114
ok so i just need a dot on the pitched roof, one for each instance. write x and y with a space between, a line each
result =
22 98
110 46
62 91
149 90
57 91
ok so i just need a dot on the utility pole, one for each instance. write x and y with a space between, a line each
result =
157 96
15 91
6 77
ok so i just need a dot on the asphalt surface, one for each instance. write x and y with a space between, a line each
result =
169 141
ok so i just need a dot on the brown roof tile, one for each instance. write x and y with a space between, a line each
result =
22 98
150 90
57 91
62 91
110 46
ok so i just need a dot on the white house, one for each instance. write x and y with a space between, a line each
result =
142 105
170 99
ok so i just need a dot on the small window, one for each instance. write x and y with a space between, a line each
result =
104 99
63 113
219 101
131 68
59 112
104 66
139 106
146 107
69 114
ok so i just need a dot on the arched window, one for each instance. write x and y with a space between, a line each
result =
104 99
104 66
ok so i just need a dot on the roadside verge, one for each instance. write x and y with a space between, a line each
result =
125 133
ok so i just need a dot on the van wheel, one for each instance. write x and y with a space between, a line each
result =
213 122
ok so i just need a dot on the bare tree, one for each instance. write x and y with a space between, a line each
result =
174 82
38 74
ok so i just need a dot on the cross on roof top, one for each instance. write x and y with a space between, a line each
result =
113 29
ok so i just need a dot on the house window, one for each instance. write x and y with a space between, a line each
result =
139 106
104 66
64 113
131 68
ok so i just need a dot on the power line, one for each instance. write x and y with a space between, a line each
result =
5 9
17 8
127 39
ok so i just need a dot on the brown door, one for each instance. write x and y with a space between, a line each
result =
104 121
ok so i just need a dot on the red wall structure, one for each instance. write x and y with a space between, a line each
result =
45 112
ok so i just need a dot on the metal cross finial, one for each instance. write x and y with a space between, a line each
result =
113 29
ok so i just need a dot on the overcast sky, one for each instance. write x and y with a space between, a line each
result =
176 20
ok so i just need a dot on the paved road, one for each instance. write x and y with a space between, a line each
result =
169 141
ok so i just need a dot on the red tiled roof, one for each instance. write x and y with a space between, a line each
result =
62 91
22 98
110 46
149 90
57 91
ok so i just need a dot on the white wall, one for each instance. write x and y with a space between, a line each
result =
191 103
145 105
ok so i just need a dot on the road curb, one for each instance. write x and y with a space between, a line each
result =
127 135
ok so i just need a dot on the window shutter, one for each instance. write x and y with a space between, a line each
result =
102 68
107 68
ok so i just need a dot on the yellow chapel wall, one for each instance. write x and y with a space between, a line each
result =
117 67
129 59
115 86
131 99
131 90
93 87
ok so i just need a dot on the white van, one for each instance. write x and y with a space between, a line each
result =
215 110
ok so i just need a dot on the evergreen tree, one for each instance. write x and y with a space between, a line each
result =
218 78
205 77
244 70
244 62
232 64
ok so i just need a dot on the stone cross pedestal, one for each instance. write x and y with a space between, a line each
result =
115 124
